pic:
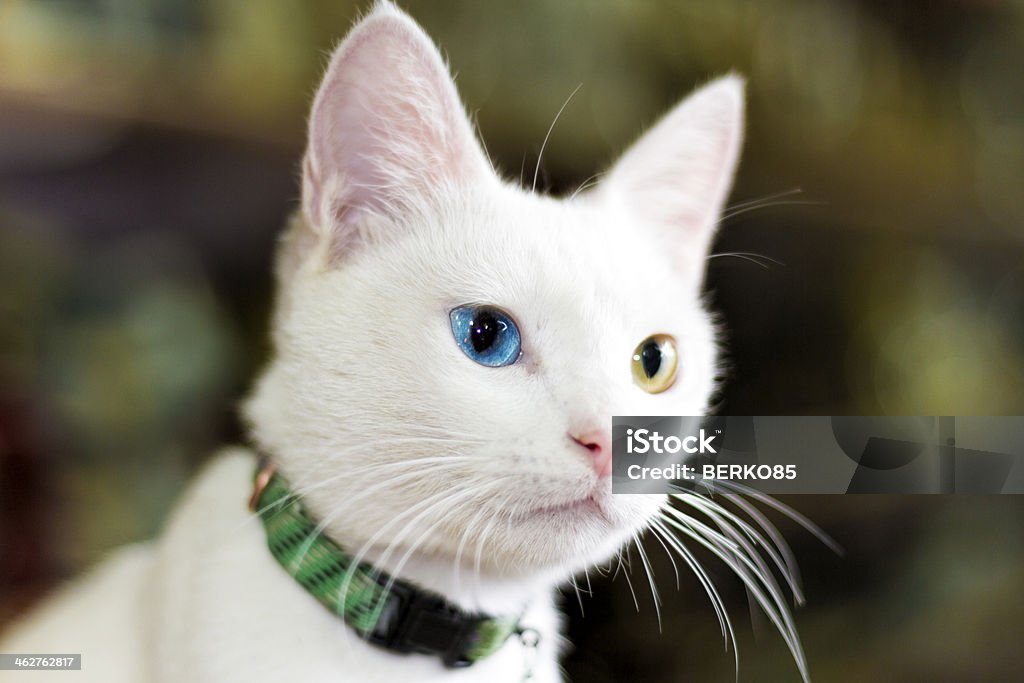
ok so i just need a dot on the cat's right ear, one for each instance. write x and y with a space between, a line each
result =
676 177
387 131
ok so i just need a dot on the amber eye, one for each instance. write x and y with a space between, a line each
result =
655 363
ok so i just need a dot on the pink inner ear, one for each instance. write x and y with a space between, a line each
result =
387 127
677 175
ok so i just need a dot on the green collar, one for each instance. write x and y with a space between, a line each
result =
388 612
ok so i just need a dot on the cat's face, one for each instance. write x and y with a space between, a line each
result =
450 349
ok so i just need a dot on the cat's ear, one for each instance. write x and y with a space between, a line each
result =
387 130
676 177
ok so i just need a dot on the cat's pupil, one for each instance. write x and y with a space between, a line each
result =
483 331
650 358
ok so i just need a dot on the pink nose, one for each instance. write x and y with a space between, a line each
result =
598 444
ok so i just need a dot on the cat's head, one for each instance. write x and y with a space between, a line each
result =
449 348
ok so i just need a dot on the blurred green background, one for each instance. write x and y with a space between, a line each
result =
149 153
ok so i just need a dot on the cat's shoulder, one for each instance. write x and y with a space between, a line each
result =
214 506
228 474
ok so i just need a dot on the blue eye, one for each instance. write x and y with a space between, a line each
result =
486 335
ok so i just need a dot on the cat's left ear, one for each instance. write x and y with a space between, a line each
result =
676 177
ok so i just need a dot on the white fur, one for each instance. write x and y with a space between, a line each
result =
432 466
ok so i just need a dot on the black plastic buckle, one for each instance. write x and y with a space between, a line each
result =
412 621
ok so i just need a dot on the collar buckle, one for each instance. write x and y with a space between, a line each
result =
412 621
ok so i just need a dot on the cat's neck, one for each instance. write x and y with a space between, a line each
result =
467 588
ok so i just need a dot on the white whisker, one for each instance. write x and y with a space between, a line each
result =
626 563
587 184
540 155
766 198
716 512
728 635
807 524
765 205
650 578
771 602
747 256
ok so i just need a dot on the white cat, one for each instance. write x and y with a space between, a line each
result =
449 349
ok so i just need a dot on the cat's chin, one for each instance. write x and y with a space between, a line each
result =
580 533
602 508
590 507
